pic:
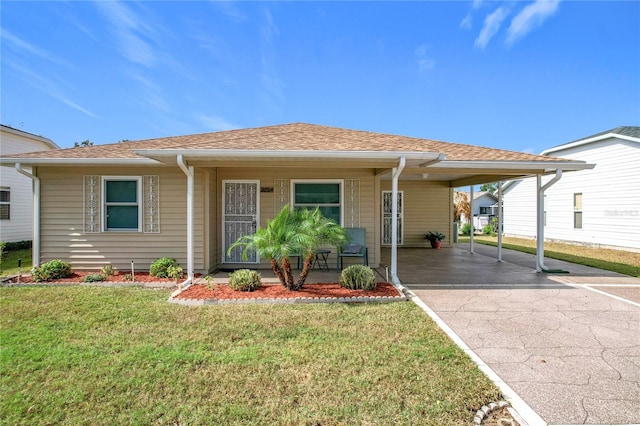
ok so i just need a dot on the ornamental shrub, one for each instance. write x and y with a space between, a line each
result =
245 280
107 270
465 229
160 267
175 272
358 277
92 278
51 271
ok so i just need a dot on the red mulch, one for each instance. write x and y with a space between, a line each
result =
77 277
277 291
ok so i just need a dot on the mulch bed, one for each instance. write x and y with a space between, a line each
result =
277 291
77 277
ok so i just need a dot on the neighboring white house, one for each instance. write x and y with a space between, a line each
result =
599 207
16 199
485 206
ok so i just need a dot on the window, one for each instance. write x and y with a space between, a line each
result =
5 204
121 196
327 195
577 210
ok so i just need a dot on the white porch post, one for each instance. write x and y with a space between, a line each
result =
471 218
394 220
189 171
540 266
35 245
500 221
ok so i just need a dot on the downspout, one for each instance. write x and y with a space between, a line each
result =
188 170
500 221
36 214
540 266
471 219
394 220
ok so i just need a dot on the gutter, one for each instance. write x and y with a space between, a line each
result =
394 220
189 171
36 214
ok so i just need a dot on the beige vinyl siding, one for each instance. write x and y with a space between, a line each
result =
268 204
62 231
427 207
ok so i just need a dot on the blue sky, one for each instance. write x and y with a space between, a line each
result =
520 75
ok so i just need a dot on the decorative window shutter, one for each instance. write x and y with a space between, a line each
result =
92 204
151 204
280 194
352 203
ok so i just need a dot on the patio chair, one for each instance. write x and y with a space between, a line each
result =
356 246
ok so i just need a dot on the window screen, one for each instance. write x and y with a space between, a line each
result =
122 204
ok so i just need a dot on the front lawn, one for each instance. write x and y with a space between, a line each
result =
87 355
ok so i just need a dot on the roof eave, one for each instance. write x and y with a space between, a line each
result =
9 161
169 155
588 141
543 166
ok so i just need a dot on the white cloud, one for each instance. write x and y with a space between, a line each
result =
466 23
132 31
230 10
533 15
22 46
423 59
215 122
491 26
48 87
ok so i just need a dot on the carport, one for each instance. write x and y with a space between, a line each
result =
564 349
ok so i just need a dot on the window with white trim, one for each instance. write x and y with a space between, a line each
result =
577 210
324 194
122 206
5 203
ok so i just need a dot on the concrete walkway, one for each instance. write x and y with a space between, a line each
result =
571 353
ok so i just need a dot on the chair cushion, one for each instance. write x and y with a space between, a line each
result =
352 249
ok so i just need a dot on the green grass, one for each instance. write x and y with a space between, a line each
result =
9 264
623 262
76 355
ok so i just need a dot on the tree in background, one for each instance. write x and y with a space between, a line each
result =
83 143
489 187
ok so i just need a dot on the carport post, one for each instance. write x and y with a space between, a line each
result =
471 218
500 221
540 266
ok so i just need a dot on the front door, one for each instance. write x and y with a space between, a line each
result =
240 216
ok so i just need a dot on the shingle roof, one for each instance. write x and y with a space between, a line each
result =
291 137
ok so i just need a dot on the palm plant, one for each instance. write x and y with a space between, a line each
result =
292 233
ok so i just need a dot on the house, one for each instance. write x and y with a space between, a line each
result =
485 207
16 200
598 207
190 197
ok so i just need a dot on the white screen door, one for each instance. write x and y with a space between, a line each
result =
387 216
240 216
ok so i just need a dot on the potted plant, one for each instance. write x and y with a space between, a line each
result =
435 238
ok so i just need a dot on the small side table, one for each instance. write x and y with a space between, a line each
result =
320 261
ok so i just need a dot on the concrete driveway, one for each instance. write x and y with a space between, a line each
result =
567 344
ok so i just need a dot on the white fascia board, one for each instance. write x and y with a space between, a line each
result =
588 141
297 154
8 161
514 165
